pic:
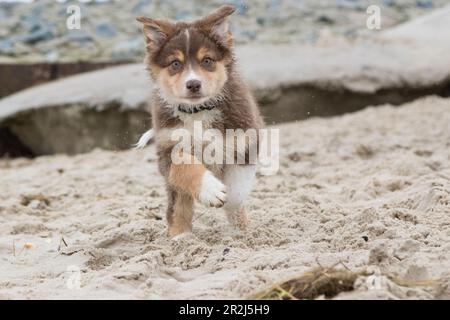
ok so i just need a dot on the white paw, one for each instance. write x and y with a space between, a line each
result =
213 191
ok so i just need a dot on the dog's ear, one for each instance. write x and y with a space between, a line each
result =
156 32
216 24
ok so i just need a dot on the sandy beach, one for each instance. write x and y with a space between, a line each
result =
369 189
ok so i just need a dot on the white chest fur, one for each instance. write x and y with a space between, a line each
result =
206 118
197 124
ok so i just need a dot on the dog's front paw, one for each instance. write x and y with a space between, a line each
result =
212 191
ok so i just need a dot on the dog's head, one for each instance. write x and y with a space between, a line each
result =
189 61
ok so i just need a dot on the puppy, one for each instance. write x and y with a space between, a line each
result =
193 67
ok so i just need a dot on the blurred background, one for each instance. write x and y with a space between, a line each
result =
324 60
36 31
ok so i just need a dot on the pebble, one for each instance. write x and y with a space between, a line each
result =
424 3
34 28
141 7
128 49
6 46
38 34
106 30
79 36
2 14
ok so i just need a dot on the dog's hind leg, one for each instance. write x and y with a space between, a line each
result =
239 182
179 213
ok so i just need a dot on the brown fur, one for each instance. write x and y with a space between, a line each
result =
187 176
181 213
167 41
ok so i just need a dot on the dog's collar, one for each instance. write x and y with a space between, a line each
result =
194 109
185 108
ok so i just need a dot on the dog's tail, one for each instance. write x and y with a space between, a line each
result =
144 139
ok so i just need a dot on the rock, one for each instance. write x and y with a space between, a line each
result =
325 19
241 7
11 147
274 5
248 34
106 30
79 36
349 4
389 3
37 34
52 56
6 46
65 109
141 7
183 15
424 3
2 14
261 21
127 50
32 22
19 76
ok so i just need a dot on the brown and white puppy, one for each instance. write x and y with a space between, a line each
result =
193 67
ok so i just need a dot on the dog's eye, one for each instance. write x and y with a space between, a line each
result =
207 62
175 65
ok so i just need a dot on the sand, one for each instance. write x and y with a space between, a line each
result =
369 189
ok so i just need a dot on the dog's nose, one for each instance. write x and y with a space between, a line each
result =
193 85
